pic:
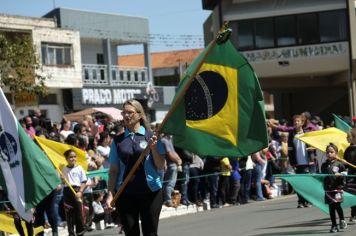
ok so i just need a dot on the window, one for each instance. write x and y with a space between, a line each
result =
9 98
333 26
308 31
143 76
285 30
56 54
291 30
264 33
50 99
100 59
113 74
121 74
245 35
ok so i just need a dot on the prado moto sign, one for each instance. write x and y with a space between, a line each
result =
115 96
97 96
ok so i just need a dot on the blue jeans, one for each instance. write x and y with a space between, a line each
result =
170 179
184 182
247 184
257 172
213 181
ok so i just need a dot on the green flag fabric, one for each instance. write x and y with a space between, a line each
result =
310 186
219 107
27 174
102 173
341 124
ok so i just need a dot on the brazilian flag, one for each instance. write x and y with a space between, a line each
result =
218 109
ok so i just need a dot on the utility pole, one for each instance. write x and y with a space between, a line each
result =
350 10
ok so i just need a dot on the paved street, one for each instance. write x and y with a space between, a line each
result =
273 217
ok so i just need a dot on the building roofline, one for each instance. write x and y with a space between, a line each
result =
94 12
25 17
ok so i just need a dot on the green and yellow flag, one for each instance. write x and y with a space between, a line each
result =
218 109
55 153
7 225
320 139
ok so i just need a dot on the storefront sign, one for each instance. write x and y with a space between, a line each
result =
297 52
96 96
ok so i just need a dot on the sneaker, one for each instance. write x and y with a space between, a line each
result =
186 203
306 205
109 225
63 224
226 205
300 205
334 229
215 206
353 219
343 224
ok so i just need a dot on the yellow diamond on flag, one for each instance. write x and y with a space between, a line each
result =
211 102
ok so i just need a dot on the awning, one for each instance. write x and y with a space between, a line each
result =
112 112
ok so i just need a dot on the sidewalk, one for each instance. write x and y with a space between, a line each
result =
170 212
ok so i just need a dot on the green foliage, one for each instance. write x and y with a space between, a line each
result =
19 65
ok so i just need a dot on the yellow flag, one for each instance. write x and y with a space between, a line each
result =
55 152
322 138
7 225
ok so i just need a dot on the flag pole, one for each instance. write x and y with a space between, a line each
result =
221 37
345 162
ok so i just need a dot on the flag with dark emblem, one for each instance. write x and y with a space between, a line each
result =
219 107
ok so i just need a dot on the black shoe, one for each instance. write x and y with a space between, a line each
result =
334 229
186 203
300 205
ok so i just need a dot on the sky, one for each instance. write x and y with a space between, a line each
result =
180 21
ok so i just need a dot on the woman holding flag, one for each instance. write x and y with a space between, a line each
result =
142 196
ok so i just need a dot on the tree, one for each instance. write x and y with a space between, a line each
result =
19 65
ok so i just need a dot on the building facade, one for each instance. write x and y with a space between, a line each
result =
58 51
302 51
106 83
78 52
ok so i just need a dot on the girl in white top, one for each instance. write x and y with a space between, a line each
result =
76 177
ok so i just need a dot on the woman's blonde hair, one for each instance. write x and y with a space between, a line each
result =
139 109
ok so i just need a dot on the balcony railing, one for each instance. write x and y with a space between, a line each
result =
120 75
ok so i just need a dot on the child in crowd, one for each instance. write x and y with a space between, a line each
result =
73 202
333 186
99 212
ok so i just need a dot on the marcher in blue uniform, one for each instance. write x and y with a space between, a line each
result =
142 196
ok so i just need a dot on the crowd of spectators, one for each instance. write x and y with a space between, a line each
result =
217 181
